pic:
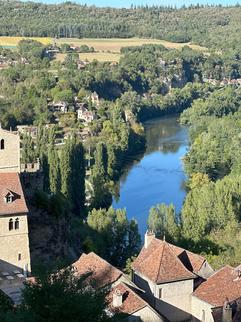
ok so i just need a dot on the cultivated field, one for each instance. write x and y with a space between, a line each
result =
115 44
13 41
106 49
102 56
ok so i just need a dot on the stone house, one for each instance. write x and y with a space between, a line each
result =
9 151
30 130
169 275
84 114
14 242
61 107
123 295
219 297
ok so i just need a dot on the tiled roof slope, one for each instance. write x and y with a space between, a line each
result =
103 273
192 262
222 285
10 183
160 264
132 302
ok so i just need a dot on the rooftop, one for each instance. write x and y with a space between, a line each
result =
160 263
223 285
131 302
103 273
10 184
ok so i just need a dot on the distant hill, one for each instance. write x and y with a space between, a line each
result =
211 26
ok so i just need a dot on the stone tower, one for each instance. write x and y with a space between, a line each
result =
14 241
9 151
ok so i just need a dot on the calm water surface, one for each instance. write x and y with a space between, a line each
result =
158 177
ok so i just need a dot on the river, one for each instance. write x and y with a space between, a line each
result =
158 175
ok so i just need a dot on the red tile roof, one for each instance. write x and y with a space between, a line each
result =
10 183
103 273
131 302
222 285
192 262
160 264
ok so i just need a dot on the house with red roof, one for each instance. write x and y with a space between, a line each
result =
219 297
123 295
169 275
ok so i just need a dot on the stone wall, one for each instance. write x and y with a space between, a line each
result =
14 244
10 155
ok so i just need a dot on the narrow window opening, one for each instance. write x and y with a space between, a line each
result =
160 293
10 224
19 256
2 144
17 223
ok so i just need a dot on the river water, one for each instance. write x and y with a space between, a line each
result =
158 175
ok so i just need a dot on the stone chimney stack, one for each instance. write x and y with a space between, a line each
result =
149 235
117 298
227 312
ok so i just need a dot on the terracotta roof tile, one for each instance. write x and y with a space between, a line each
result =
10 183
131 302
160 264
103 273
192 262
222 285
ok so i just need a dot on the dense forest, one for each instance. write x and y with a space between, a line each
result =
212 26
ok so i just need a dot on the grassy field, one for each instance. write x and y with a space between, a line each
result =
13 41
102 56
107 49
115 44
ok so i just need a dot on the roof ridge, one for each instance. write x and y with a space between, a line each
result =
160 261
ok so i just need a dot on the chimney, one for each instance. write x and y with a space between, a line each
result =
227 312
149 235
117 298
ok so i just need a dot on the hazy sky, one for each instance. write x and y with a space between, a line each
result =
126 3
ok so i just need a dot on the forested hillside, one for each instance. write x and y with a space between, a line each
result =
210 26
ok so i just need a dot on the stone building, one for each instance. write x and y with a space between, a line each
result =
123 295
9 151
169 275
14 242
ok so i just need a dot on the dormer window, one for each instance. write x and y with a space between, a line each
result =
9 198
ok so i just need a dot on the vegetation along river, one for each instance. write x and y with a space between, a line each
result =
158 176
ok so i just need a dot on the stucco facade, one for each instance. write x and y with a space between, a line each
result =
172 299
14 244
145 315
201 310
9 151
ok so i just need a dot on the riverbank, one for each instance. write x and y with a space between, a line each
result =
158 175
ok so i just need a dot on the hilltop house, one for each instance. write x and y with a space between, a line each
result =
84 114
169 275
123 295
58 107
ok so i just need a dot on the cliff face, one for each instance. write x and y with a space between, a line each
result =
48 237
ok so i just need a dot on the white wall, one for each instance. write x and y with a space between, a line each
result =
175 303
198 306
146 315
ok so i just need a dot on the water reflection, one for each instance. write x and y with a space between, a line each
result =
158 175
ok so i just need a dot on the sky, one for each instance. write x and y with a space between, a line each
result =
127 3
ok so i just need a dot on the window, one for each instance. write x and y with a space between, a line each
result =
16 224
2 144
160 293
10 224
9 199
19 256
